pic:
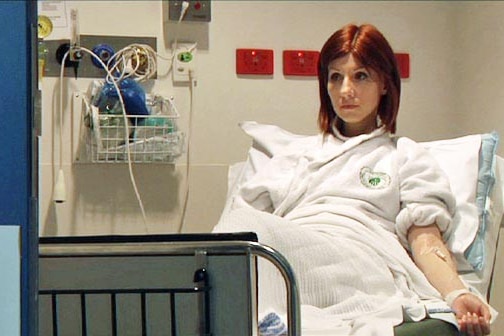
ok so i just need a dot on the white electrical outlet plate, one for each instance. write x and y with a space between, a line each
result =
184 59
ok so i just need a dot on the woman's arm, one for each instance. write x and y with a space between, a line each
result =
436 262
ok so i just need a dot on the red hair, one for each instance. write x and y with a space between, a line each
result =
370 48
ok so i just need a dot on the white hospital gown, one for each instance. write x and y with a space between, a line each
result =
339 210
392 181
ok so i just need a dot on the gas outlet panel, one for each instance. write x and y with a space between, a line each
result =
300 62
197 10
86 67
254 61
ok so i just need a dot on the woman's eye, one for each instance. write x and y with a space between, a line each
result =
335 77
361 75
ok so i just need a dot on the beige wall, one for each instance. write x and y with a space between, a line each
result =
456 54
100 197
480 100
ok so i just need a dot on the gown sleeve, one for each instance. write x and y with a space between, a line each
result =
425 194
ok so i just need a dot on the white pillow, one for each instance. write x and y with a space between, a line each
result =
459 159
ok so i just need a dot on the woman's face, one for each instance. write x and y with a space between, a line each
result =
355 93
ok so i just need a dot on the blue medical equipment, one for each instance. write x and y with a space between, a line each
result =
133 96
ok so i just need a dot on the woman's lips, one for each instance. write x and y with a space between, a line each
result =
348 107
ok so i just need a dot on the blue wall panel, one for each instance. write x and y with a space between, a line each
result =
14 123
17 43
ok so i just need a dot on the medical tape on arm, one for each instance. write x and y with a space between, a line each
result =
437 264
437 251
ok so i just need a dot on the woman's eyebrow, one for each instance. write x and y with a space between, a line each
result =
360 68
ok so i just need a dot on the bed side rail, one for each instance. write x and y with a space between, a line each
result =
210 247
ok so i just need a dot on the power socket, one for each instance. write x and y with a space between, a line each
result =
184 60
300 62
254 61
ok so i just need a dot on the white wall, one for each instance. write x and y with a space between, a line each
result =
453 90
100 197
455 87
479 73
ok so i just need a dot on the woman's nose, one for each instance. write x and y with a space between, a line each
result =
347 89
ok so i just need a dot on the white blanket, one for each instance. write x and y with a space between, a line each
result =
349 283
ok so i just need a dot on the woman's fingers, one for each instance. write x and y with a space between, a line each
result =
469 324
474 325
485 325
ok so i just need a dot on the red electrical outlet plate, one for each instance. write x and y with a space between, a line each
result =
300 62
403 63
254 61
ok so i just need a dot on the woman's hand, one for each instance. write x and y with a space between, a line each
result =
472 314
436 262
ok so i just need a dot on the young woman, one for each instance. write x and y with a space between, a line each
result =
359 91
360 215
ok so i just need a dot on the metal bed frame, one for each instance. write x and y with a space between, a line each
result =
195 303
83 294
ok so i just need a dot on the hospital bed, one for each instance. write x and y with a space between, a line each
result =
207 284
188 284
476 176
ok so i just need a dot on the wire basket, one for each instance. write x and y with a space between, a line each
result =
146 138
